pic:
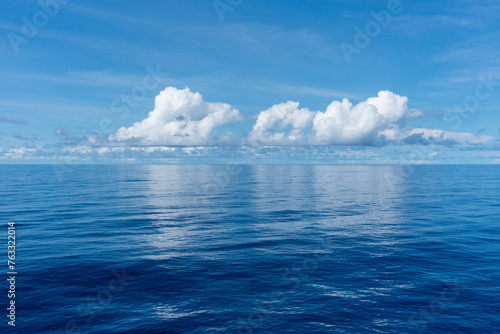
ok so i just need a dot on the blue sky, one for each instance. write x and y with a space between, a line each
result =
75 72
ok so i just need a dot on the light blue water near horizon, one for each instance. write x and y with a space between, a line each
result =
254 248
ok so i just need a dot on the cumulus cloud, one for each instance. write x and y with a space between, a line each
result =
341 124
180 117
281 116
346 124
183 118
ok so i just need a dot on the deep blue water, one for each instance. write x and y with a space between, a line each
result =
253 249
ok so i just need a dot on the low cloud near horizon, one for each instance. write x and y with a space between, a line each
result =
182 118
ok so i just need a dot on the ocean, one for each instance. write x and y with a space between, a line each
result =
252 248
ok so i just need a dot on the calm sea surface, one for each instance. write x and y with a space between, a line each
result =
253 249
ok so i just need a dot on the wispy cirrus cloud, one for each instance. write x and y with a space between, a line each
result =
87 78
308 90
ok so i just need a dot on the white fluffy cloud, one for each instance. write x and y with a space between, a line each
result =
341 124
183 118
180 117
345 124
281 116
